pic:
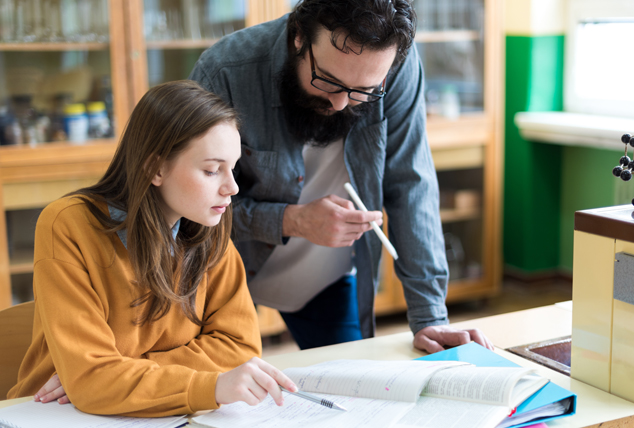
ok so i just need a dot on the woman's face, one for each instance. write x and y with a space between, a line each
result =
198 183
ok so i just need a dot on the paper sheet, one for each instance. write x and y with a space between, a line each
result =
33 414
431 412
297 412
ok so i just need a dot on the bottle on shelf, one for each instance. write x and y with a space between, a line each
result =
105 94
450 102
52 31
42 127
191 19
76 123
26 20
98 122
26 117
221 18
57 131
69 16
7 20
10 132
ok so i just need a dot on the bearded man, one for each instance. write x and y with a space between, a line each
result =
333 93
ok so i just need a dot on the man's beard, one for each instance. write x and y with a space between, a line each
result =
300 109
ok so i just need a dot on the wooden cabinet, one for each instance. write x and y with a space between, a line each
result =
142 51
48 59
460 44
40 62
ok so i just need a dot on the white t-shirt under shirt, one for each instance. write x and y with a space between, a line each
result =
298 271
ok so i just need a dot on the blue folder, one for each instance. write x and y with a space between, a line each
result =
481 356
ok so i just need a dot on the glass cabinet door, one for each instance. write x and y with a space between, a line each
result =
450 40
176 32
55 72
461 214
63 99
460 45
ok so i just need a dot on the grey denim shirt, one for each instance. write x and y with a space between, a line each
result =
386 154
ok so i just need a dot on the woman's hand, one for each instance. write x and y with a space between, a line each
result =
251 382
52 390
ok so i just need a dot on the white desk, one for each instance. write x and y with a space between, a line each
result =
518 328
513 329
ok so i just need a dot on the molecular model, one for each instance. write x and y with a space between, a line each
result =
626 165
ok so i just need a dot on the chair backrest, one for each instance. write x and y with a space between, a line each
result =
16 330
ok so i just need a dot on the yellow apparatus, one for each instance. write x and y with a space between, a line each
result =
603 299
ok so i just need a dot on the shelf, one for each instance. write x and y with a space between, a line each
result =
470 129
37 194
180 44
460 214
446 36
52 145
53 46
448 159
31 163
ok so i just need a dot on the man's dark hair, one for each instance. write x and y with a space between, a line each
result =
370 24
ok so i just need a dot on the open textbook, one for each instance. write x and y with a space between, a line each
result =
399 394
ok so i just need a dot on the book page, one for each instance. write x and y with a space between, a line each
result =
525 387
384 380
297 412
492 385
431 412
31 414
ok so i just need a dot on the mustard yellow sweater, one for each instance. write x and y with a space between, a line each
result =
84 330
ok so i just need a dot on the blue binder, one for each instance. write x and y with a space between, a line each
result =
480 356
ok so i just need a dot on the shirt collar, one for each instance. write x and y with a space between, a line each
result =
120 215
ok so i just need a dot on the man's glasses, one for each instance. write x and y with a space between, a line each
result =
333 88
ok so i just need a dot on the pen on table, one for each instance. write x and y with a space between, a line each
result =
388 245
314 398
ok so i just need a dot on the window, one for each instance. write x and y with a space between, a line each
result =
599 63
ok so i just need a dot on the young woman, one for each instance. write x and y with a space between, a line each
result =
141 303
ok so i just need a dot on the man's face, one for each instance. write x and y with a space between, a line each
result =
321 117
363 72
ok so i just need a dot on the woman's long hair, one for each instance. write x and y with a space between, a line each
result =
166 119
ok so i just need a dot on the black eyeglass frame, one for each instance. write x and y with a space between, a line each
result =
373 96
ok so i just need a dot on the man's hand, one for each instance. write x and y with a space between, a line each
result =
330 221
252 382
52 390
432 339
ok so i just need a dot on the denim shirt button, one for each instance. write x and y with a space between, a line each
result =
270 246
300 178
251 273
247 152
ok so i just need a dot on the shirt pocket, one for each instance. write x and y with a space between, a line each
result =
256 171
